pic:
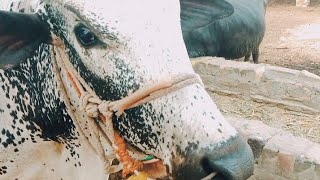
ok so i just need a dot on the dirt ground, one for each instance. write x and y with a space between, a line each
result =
292 37
300 124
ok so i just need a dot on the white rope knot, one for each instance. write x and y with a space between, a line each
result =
94 106
104 109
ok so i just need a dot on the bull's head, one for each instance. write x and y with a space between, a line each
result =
119 47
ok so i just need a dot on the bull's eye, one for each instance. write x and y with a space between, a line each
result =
85 36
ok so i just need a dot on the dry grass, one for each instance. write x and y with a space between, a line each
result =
303 125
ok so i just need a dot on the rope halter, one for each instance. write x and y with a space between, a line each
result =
99 112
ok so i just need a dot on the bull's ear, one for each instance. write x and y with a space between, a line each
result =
20 36
198 13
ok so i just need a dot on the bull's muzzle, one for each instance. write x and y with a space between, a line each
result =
231 161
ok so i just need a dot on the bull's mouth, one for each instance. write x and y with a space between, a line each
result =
155 170
152 167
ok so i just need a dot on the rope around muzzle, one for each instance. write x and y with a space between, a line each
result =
95 108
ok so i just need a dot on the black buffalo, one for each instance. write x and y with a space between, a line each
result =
231 37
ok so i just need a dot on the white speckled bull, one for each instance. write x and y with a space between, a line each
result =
117 46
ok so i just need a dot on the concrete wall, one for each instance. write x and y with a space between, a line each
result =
279 155
287 88
301 3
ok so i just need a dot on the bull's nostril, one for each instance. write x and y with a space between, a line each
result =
205 164
230 161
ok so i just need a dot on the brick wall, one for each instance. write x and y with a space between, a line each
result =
287 88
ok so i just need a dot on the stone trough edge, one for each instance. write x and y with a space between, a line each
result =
287 88
279 154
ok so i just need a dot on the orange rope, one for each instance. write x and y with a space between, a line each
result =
103 119
74 83
129 164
